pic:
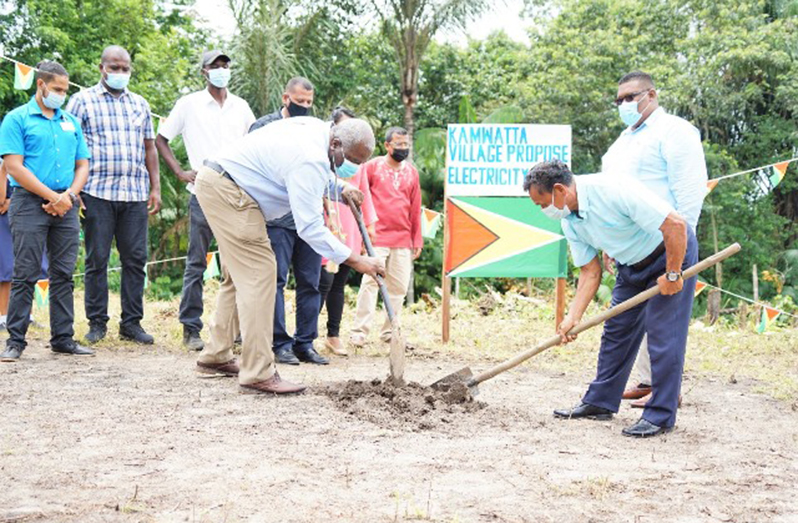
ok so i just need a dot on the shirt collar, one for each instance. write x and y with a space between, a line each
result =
651 121
103 89
583 201
33 108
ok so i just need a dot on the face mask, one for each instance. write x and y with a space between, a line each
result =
400 154
629 114
346 170
219 77
553 212
53 100
295 109
117 81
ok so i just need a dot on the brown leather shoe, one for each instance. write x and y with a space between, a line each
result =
636 391
273 385
641 403
225 369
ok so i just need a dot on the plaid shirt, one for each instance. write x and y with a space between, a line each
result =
115 130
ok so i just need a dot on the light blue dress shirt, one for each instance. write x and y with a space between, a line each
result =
49 146
617 215
285 168
666 155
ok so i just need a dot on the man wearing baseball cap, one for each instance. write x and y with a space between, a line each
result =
208 120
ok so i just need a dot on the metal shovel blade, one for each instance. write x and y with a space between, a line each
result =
463 376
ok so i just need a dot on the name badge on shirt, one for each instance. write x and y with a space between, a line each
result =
68 126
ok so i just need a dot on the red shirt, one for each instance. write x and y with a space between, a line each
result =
397 201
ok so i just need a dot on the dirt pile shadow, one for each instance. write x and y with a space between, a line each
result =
412 407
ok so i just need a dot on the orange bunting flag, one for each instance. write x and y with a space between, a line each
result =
699 286
769 316
767 178
711 184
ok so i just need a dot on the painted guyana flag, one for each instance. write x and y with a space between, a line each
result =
502 237
23 76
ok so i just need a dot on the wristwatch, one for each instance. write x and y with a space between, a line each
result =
673 276
72 196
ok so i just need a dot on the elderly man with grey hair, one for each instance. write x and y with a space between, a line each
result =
284 167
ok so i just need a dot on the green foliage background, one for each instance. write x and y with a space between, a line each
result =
728 66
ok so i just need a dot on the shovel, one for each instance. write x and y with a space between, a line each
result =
397 356
465 376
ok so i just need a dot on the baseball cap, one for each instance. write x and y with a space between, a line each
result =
208 57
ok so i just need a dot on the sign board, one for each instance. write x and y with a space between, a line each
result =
492 159
493 228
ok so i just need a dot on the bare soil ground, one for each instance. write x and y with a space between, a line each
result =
134 435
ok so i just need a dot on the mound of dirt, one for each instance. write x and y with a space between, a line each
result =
413 406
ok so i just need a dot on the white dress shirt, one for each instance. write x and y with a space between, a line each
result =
666 155
206 126
285 167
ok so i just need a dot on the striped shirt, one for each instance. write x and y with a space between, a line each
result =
115 130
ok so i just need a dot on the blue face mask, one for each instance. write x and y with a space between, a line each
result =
117 81
629 113
346 169
53 100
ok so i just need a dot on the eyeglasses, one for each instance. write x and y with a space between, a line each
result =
629 97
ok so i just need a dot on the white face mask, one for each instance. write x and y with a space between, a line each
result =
553 212
219 77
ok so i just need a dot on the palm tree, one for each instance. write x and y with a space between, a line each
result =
410 25
267 46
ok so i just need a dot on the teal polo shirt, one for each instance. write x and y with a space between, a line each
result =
49 147
617 215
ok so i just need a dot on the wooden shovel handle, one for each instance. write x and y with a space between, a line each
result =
370 250
601 318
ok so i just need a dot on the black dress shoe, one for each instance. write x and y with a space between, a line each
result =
583 410
286 356
135 333
97 332
645 429
12 353
311 356
71 347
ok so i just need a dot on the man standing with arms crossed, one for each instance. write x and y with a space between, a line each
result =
123 189
208 120
665 154
45 154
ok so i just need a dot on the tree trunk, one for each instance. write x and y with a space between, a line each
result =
713 301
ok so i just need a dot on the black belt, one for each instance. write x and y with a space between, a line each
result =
651 258
218 168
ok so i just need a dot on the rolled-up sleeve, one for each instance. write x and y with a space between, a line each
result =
305 185
687 170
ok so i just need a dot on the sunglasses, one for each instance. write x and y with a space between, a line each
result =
629 97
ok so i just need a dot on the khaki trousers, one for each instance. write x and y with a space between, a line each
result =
398 269
240 230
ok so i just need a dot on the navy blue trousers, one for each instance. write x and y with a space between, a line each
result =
666 320
291 251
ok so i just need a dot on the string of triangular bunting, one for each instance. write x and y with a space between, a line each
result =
24 75
766 177
769 314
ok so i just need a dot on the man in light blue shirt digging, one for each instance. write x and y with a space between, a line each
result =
652 245
281 168
665 154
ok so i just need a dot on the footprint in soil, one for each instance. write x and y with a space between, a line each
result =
413 406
